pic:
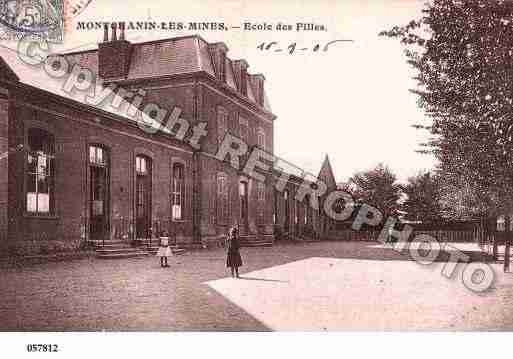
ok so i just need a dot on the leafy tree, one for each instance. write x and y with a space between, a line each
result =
378 187
422 201
462 51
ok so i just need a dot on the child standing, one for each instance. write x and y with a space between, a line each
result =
164 251
233 260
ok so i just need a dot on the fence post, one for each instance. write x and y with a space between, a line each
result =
495 250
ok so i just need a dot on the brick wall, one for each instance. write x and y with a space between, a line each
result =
211 100
74 130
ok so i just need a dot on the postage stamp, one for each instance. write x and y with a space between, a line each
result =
40 18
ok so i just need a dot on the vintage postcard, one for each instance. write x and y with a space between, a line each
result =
236 166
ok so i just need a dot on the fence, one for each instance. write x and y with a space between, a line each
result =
439 235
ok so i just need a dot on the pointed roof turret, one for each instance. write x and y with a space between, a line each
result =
326 174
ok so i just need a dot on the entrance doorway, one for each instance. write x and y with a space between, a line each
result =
98 193
143 187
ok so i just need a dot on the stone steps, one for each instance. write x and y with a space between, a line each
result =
154 249
117 250
256 243
121 255
123 249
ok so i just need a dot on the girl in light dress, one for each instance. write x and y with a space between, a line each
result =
164 251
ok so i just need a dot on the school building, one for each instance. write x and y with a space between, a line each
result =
72 171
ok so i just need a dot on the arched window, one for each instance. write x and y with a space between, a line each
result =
222 198
178 192
40 172
261 138
222 123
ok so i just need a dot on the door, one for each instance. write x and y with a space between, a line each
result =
98 193
143 197
244 207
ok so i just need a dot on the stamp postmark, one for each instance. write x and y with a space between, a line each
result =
40 18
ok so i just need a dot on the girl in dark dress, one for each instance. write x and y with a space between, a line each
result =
233 260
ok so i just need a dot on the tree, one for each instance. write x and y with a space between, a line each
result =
423 201
462 51
378 187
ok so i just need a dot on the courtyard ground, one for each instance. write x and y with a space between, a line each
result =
294 286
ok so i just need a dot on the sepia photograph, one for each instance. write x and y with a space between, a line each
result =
205 169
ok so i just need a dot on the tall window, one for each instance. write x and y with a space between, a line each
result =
296 212
98 191
260 200
178 194
222 123
40 172
244 82
98 164
222 198
306 203
287 208
243 129
261 138
243 195
143 185
275 214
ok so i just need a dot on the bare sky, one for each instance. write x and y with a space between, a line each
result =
351 102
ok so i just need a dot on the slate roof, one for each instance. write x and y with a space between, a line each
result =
167 57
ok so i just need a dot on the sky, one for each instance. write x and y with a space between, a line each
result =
350 102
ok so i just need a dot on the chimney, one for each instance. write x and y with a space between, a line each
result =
218 52
259 80
241 74
114 31
105 33
122 31
114 55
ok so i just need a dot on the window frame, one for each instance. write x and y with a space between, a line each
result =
222 199
222 116
49 172
222 66
260 200
178 193
261 138
243 122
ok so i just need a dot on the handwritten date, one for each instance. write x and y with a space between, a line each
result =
293 47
